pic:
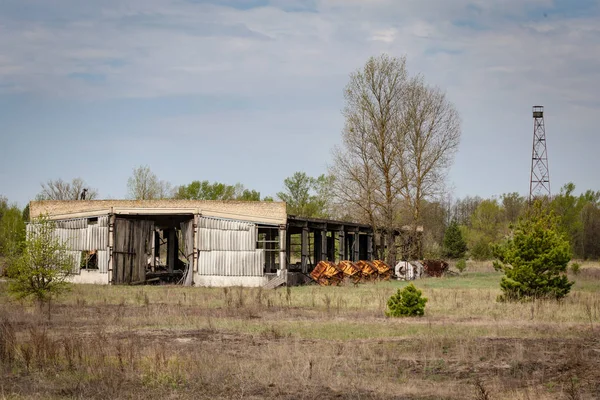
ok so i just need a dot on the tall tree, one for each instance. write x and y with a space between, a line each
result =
204 190
399 139
514 205
454 243
367 167
304 195
145 185
462 209
63 190
12 231
487 227
432 130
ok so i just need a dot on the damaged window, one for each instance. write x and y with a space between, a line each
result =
89 260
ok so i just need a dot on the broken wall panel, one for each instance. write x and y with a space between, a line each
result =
219 235
75 257
78 223
231 263
102 261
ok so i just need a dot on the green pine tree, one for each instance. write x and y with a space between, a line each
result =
455 245
535 258
407 302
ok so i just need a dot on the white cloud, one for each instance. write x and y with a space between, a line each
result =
490 56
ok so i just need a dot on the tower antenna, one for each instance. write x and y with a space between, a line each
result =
539 182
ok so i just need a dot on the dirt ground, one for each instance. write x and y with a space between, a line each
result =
325 343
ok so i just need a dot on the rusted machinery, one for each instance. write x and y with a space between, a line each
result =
435 268
350 270
327 273
368 270
383 270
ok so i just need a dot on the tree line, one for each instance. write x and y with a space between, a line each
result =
389 171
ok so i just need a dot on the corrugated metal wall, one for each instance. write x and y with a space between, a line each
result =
231 263
228 248
80 236
76 259
102 261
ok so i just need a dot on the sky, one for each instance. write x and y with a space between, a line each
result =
251 91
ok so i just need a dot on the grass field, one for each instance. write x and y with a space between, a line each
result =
304 342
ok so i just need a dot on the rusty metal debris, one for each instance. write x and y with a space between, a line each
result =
383 270
326 273
368 271
350 270
435 268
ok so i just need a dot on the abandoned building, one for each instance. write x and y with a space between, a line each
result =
201 243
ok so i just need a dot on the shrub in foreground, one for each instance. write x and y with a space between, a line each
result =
407 302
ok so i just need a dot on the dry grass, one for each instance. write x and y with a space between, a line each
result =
305 342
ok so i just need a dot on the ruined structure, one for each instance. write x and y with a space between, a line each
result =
202 243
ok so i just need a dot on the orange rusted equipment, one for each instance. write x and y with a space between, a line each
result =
435 268
368 271
327 273
383 270
350 270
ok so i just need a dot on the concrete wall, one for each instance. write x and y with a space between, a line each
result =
94 277
223 281
255 211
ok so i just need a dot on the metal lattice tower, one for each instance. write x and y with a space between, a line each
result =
539 183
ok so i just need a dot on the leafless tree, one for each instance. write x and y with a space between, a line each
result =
399 139
62 190
366 167
145 185
431 126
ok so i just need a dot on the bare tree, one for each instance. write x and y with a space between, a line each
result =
367 168
62 190
399 139
145 185
432 131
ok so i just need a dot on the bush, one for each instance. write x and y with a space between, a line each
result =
454 243
42 270
407 302
575 267
482 250
461 265
534 259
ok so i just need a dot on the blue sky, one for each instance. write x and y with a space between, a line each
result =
251 91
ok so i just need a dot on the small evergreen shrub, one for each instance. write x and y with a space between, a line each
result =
534 258
461 265
455 245
407 302
575 268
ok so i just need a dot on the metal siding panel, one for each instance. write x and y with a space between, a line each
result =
75 257
102 256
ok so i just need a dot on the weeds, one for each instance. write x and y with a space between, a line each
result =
481 392
244 342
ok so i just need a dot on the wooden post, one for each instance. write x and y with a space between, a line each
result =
323 248
331 246
195 257
111 245
342 244
172 249
370 246
317 247
287 247
355 247
283 246
304 246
